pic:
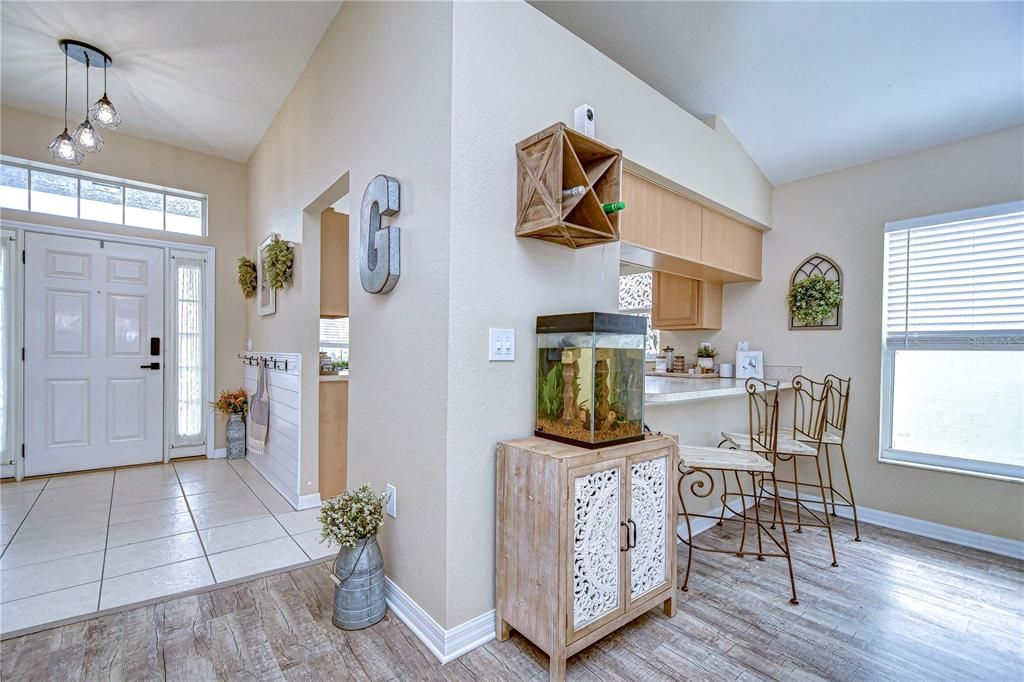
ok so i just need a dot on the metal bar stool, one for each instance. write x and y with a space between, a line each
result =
697 463
811 401
833 436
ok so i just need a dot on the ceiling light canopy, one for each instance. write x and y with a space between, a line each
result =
71 148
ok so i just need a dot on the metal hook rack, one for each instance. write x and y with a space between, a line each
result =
268 362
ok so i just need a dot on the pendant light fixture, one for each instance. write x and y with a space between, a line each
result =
85 136
71 148
103 113
63 148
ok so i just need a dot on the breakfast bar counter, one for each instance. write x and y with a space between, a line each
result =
663 390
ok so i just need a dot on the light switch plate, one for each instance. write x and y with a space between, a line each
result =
392 503
501 345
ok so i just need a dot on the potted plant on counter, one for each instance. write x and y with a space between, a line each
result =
351 521
235 404
706 355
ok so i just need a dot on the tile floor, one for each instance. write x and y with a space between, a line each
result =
78 544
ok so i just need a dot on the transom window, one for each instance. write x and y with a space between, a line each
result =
77 194
953 343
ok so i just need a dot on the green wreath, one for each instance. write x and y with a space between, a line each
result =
247 277
278 263
813 299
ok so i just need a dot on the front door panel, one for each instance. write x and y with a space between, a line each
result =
90 309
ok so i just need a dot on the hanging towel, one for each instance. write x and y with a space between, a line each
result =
259 413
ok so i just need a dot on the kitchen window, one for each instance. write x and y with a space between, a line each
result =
953 342
635 299
77 194
334 339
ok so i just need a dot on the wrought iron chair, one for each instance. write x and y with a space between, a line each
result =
801 442
696 465
833 436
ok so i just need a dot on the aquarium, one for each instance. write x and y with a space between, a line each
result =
590 378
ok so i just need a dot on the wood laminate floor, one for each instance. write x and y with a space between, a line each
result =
899 607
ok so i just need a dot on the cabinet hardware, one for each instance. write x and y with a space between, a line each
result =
630 543
626 548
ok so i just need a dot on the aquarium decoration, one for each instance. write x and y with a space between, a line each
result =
590 378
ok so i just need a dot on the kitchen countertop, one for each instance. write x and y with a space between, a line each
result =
659 390
334 377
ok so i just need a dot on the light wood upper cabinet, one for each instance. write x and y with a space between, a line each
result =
659 218
684 303
729 244
333 264
663 230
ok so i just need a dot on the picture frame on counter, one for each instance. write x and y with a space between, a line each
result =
749 364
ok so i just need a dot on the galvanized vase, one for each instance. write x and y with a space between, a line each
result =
236 437
359 586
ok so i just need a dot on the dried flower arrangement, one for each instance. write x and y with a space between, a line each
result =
247 276
232 402
352 516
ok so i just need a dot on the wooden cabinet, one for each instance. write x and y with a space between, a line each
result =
333 264
663 230
659 218
683 303
333 438
729 244
585 540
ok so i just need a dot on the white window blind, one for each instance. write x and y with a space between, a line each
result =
189 274
961 276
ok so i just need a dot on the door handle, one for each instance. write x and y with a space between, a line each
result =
626 548
152 365
631 543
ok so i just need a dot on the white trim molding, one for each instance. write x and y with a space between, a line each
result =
309 501
927 529
219 453
446 645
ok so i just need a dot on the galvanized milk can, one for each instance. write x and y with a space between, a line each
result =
359 586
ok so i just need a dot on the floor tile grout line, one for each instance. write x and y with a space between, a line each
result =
106 539
287 532
25 518
192 516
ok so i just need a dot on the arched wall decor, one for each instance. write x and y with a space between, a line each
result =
818 264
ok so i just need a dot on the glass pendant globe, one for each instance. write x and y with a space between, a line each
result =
103 114
63 149
86 138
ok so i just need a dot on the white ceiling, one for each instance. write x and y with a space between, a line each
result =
207 76
811 87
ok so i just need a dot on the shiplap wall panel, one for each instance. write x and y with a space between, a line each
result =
279 463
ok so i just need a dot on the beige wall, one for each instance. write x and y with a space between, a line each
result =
374 98
515 72
25 135
841 215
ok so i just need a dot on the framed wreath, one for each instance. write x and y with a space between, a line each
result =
815 296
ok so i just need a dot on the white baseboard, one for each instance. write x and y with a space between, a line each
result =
219 453
928 529
446 645
308 501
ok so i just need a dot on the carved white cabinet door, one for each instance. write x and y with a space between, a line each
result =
648 515
598 540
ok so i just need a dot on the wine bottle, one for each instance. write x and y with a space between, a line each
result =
577 191
614 207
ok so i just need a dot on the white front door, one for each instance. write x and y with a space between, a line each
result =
91 310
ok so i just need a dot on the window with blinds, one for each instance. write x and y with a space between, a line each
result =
953 332
334 338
